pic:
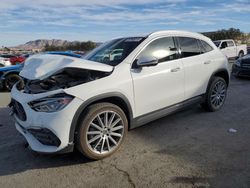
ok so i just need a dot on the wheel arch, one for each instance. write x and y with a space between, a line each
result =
241 51
114 98
9 73
223 73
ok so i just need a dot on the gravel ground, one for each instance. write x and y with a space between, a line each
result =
192 148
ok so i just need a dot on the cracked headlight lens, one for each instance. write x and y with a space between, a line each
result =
52 103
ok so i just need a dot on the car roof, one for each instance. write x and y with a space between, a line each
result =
177 33
223 40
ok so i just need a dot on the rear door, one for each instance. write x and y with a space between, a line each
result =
197 67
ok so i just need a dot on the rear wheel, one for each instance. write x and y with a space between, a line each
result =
216 94
102 130
11 79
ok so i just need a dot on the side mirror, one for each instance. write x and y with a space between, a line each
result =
147 61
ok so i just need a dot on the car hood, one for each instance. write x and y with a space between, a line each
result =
44 65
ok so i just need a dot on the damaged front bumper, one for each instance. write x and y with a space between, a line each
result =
45 132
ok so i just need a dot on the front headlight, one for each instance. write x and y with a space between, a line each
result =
52 103
237 63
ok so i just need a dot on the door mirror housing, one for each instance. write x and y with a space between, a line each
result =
147 61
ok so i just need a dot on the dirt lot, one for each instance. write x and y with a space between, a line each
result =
192 148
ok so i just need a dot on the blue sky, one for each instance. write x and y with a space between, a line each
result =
24 20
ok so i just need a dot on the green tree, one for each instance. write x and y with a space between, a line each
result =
76 46
231 33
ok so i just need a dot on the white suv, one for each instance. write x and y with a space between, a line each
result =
92 102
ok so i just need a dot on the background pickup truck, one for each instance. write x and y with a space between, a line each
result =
230 49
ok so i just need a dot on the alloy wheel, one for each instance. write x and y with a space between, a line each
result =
105 132
218 94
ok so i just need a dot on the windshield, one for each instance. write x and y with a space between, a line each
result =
115 51
217 43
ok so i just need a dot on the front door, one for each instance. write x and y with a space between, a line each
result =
160 86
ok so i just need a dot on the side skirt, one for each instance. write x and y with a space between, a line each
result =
141 120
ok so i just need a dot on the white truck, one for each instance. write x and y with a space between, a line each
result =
230 49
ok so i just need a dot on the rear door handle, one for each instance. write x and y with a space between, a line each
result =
207 62
176 69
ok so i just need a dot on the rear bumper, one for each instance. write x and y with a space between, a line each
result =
240 71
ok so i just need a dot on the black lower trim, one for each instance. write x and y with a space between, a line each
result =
81 109
45 136
141 120
69 148
136 122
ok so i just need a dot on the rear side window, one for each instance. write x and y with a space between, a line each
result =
189 46
230 43
205 47
163 49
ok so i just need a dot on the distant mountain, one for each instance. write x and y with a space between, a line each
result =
41 43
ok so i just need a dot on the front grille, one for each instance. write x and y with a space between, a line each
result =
45 136
18 110
246 66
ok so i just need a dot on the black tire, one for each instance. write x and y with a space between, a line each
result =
211 96
11 79
241 54
89 116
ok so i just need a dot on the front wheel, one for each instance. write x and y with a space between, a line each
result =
102 130
11 79
216 94
241 54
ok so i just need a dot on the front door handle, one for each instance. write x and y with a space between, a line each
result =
176 69
207 62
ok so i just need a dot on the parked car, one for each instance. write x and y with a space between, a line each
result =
9 76
67 53
230 49
248 50
17 60
91 105
5 60
241 67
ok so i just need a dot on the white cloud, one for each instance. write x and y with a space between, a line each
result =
108 3
116 17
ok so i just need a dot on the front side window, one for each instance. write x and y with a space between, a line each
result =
115 51
223 45
163 49
189 46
